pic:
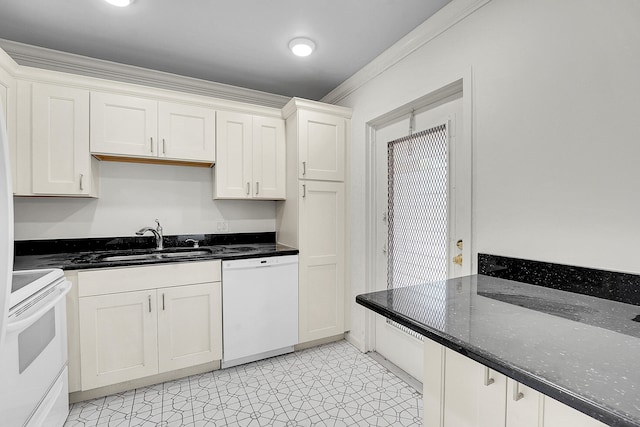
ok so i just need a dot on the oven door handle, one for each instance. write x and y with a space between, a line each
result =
20 324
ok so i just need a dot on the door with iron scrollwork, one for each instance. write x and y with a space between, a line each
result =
424 216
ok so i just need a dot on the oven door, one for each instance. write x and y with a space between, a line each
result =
34 353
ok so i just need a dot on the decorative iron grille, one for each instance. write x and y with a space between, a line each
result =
418 206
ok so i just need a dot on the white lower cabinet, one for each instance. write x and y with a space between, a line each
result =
460 392
153 327
118 338
322 264
187 326
468 401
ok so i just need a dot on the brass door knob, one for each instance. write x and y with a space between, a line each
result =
457 259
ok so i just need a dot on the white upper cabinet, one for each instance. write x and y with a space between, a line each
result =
186 132
269 158
250 152
130 126
8 105
322 146
123 125
60 141
232 173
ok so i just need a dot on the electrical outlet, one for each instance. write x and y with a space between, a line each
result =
223 226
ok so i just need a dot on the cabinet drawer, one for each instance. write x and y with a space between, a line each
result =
128 279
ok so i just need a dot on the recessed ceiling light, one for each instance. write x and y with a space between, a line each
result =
120 3
301 46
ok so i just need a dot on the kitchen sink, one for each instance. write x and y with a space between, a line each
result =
155 255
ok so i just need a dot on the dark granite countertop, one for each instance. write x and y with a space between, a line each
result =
578 349
76 254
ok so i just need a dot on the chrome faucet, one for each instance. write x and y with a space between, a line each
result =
157 232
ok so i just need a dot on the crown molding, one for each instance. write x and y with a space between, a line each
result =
296 103
437 24
48 59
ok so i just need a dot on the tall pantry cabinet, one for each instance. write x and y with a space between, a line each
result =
313 218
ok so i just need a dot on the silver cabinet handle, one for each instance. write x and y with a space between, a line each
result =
304 168
248 188
487 378
164 147
162 302
257 187
151 145
149 303
517 394
304 190
81 183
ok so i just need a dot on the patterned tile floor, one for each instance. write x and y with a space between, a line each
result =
330 385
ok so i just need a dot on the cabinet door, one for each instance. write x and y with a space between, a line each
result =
8 105
118 338
269 158
186 132
471 399
189 325
321 146
557 414
322 234
60 148
123 125
233 153
523 405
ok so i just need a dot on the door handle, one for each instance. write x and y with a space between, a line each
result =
517 394
457 260
151 145
81 184
248 188
304 190
257 187
304 168
149 303
164 147
20 324
162 302
487 378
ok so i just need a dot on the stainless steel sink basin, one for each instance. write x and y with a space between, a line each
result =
156 255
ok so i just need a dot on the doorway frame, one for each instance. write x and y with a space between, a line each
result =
444 89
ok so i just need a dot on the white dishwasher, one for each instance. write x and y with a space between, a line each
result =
259 308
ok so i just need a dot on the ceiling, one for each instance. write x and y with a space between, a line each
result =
237 42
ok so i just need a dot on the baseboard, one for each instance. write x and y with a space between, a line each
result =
79 396
316 343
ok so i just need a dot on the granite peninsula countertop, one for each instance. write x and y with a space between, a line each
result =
90 253
578 349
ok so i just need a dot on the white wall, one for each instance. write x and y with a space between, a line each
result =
131 197
556 130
